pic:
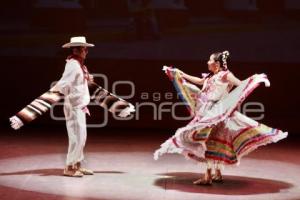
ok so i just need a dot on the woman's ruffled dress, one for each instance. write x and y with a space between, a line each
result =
218 131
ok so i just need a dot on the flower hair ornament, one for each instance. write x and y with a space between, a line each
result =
225 55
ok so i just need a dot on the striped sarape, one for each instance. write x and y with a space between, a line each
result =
43 104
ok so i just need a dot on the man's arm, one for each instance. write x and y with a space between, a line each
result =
68 77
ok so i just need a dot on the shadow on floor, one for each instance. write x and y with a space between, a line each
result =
51 172
232 185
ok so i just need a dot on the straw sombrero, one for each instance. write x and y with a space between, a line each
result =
79 41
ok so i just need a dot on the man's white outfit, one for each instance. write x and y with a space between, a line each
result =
74 86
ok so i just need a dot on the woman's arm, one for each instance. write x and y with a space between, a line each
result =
193 79
233 80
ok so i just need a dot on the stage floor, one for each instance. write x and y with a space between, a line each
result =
31 165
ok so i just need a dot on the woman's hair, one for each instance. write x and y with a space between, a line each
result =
222 58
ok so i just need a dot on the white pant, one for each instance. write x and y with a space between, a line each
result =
76 127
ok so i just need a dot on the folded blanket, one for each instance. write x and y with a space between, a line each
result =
42 104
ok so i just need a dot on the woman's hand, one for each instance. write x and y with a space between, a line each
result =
181 73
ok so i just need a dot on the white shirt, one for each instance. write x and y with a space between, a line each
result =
73 85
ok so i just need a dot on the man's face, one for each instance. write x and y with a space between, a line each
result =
81 52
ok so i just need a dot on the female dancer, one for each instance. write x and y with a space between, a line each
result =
218 133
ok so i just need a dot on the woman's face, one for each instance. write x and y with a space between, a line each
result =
213 65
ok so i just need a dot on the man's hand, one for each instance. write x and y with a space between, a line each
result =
91 78
54 89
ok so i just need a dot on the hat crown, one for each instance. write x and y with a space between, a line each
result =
80 39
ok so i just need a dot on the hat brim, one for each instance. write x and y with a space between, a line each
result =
77 44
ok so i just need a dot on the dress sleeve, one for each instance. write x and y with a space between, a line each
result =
72 69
